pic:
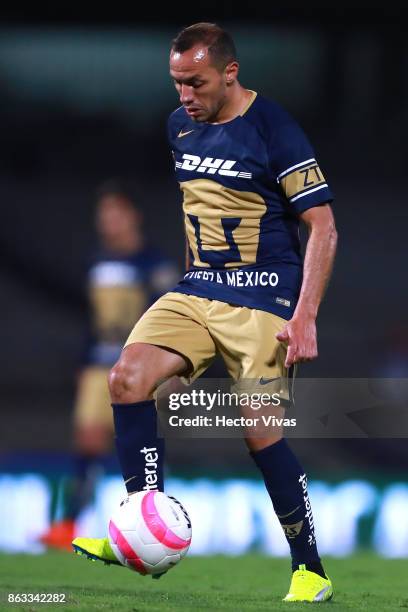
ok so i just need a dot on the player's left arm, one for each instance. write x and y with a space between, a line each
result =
300 332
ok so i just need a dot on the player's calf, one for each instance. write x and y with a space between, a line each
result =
132 382
286 483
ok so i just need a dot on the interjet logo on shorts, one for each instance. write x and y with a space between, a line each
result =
211 166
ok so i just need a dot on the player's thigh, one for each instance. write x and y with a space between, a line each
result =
246 339
255 359
176 324
92 408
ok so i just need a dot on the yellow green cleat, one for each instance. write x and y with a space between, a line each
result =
96 549
308 586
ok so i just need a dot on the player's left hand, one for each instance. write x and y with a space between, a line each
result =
300 336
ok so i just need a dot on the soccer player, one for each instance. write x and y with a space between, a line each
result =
249 177
125 276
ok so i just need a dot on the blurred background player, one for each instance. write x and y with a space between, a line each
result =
125 276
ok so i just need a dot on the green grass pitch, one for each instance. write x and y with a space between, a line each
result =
250 582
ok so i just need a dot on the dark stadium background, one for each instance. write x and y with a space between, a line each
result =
85 98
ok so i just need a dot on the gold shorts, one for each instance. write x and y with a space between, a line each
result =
199 328
93 404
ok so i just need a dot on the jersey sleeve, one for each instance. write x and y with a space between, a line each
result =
297 171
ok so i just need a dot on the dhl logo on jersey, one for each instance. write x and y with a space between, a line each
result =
211 166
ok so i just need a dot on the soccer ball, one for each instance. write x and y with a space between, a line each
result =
150 532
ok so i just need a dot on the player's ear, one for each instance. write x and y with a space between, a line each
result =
231 72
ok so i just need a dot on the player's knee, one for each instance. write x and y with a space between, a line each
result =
129 382
117 381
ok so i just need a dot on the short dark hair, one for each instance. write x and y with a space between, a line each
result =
118 188
220 45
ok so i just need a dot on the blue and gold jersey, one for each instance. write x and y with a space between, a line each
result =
120 289
244 184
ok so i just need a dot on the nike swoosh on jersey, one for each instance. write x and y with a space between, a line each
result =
181 133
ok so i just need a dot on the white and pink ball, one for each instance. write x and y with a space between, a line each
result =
150 532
